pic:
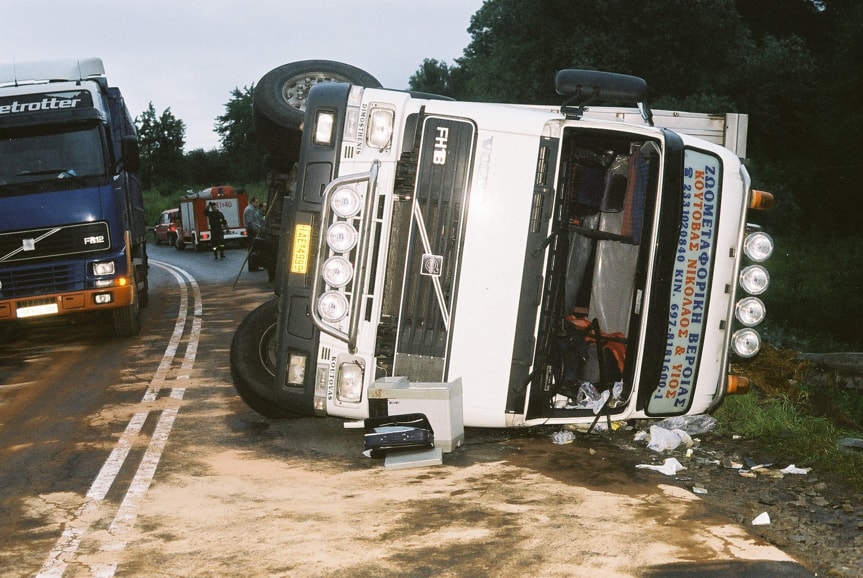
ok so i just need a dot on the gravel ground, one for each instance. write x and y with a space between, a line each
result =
812 516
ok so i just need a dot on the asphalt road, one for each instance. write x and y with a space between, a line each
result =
135 457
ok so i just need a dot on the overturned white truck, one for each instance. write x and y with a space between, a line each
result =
563 263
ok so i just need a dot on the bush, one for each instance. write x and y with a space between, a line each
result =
815 300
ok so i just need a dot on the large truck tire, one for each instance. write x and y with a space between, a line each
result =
144 292
127 320
279 100
142 275
253 359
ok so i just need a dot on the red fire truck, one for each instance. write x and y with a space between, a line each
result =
194 229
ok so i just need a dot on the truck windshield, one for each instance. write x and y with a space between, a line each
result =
48 154
595 275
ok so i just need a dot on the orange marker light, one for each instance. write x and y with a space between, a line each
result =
761 200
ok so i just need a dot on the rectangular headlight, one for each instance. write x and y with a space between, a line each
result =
349 386
325 120
380 129
296 369
106 268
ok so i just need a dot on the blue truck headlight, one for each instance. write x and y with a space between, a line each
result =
103 268
103 298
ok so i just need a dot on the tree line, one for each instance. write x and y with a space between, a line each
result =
166 167
792 65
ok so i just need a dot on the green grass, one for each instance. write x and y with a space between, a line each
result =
783 424
815 299
797 420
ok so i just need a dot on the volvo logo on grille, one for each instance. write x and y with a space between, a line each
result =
28 244
432 265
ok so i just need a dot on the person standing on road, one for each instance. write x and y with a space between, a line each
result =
218 224
252 219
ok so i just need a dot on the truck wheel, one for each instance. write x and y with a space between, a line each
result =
253 359
142 276
144 293
180 245
127 321
279 100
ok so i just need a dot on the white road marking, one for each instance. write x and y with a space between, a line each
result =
66 548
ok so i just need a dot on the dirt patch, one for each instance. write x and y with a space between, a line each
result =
296 497
814 517
237 494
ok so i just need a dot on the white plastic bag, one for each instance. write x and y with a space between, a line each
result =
692 424
669 467
562 437
662 439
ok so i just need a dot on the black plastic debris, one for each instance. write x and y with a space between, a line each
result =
397 432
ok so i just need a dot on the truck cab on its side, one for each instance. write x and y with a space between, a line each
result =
561 262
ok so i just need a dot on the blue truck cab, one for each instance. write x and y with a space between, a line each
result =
72 231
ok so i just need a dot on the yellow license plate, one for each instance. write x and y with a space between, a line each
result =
300 253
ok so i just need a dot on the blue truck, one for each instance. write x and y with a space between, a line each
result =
72 230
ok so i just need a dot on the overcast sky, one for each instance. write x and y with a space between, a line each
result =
190 54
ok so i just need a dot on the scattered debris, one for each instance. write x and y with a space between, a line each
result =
762 519
669 467
692 424
662 439
851 444
563 437
400 460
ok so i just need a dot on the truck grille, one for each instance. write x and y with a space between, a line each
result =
435 217
39 279
34 244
